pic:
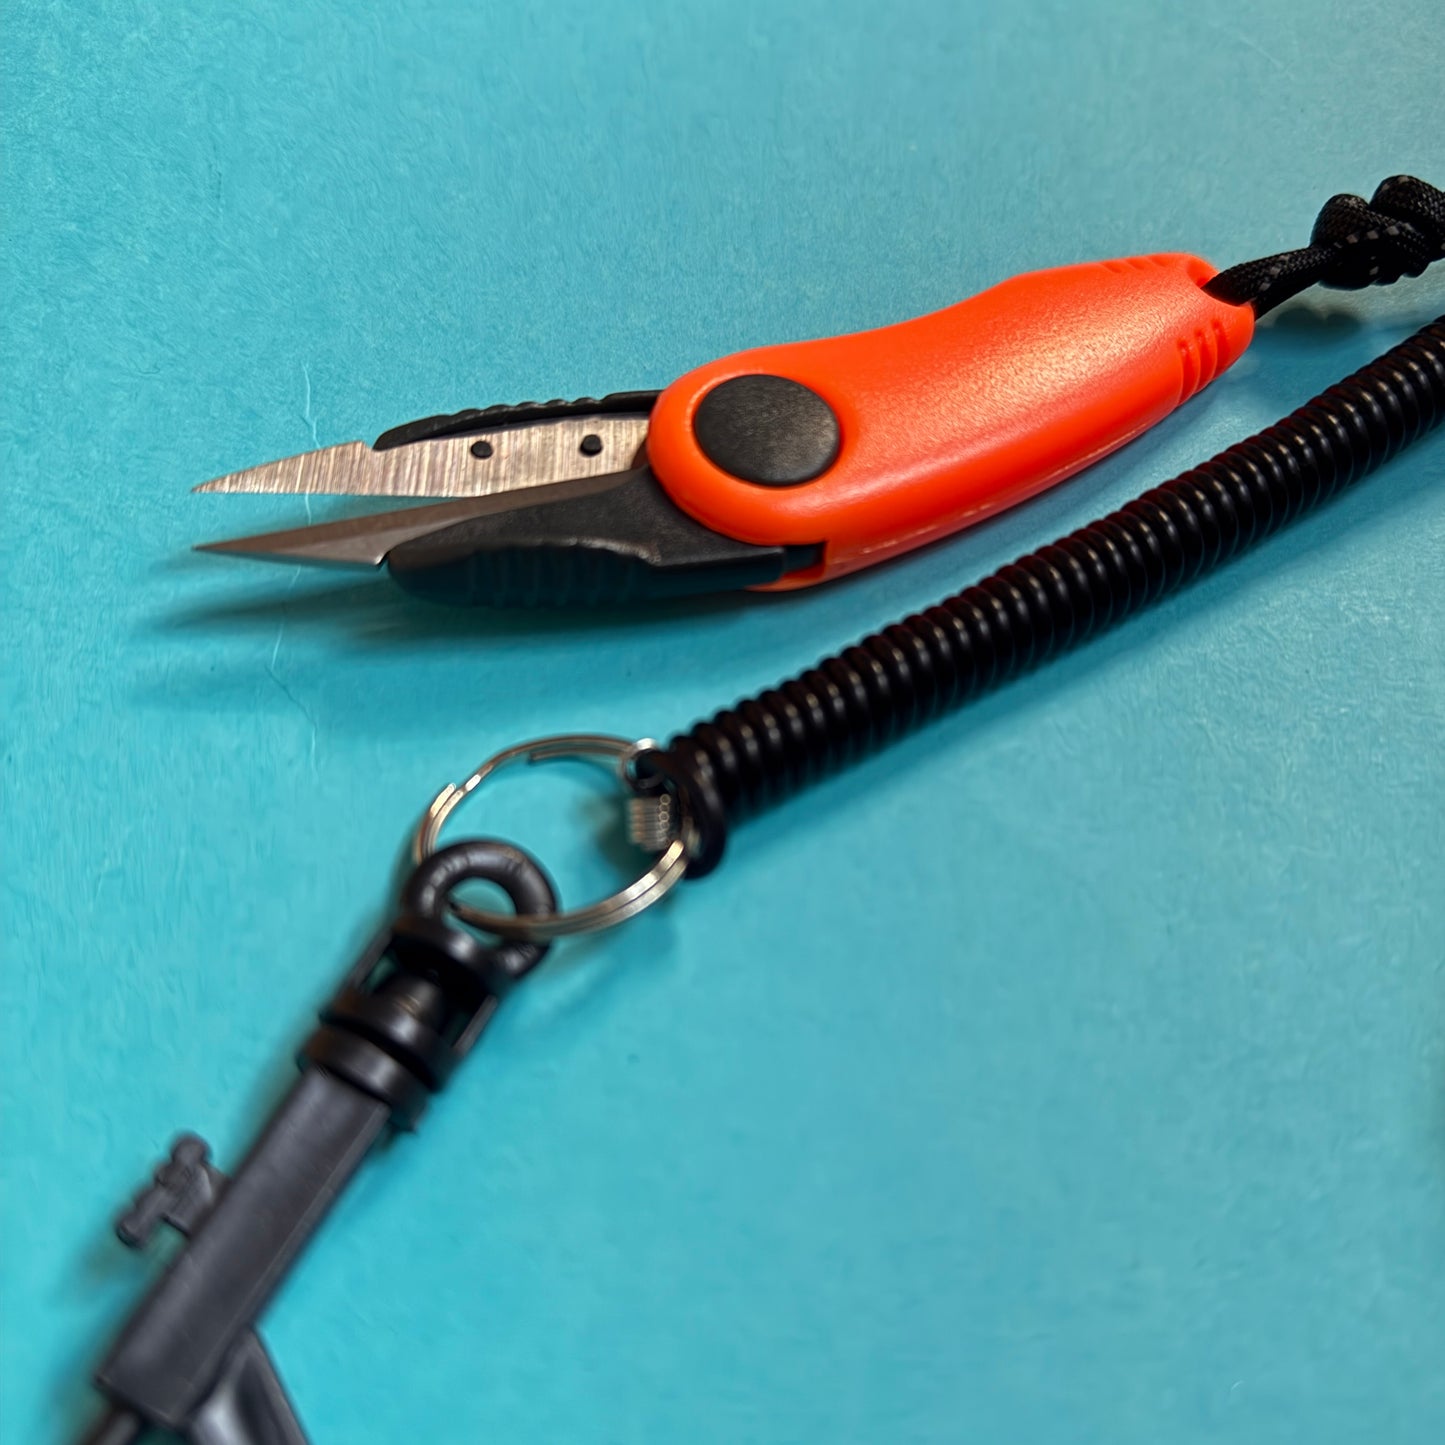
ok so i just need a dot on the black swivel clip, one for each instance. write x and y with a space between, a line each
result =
188 1360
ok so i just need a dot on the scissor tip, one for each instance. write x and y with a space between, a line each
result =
298 548
242 547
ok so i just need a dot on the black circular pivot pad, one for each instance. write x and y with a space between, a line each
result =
767 429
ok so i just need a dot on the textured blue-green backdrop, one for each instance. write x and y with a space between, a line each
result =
1075 1072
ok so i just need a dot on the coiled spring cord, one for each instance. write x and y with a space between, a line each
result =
1053 599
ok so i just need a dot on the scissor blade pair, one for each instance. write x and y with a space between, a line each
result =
366 541
477 464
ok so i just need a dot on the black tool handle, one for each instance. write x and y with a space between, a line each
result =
174 1345
188 1360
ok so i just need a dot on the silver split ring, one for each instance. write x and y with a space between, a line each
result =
617 754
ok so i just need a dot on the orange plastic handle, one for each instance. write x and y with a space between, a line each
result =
949 418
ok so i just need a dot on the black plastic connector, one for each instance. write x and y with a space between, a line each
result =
188 1360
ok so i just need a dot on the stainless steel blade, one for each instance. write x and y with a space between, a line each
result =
365 541
481 464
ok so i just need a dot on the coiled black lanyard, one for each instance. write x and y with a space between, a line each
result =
765 748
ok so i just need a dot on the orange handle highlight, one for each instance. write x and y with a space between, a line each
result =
951 417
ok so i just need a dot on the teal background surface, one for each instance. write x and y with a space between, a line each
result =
1073 1072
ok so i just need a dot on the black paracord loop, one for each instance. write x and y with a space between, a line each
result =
1355 243
770 746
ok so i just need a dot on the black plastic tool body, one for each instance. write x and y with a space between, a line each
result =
188 1359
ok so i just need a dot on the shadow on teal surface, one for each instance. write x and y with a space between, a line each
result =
1072 1072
